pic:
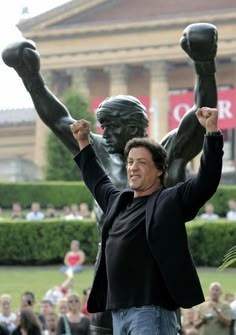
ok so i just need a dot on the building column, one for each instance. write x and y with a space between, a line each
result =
41 134
159 99
118 78
80 78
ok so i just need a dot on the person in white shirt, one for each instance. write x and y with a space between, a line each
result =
7 317
35 214
231 214
209 214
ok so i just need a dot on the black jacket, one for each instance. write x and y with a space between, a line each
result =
166 214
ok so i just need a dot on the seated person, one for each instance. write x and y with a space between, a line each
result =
35 214
209 214
58 292
50 212
62 307
84 210
16 213
74 259
51 320
74 213
7 317
231 214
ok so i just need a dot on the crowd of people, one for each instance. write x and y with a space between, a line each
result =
61 310
50 318
210 214
66 313
36 213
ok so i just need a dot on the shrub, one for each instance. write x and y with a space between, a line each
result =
57 193
209 241
45 242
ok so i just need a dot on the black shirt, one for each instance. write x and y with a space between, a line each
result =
134 278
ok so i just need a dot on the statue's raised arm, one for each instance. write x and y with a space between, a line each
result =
199 41
24 58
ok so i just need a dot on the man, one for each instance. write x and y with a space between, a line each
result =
144 270
214 316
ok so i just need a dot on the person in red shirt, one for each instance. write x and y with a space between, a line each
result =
74 259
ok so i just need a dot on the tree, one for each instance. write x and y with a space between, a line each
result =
60 164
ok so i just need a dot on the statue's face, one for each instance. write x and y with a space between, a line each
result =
116 135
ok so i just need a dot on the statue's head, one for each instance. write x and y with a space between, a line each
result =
122 117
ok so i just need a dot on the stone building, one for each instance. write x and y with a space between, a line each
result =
109 47
18 161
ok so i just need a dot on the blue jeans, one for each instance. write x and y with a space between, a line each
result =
76 268
145 320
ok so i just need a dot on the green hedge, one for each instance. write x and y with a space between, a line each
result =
209 241
57 193
45 242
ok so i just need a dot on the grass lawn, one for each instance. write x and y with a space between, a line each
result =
16 280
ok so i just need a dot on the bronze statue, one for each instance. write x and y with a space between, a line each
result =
199 41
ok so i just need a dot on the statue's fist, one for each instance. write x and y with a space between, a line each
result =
23 57
199 41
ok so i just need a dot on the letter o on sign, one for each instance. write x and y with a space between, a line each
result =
179 111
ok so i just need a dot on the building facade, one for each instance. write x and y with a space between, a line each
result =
110 47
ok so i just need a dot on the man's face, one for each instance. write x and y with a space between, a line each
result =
45 308
143 175
215 292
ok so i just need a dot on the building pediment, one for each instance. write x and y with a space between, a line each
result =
102 15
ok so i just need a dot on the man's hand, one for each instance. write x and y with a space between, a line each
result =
208 118
80 130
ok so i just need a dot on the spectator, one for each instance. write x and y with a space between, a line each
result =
28 301
50 212
74 259
77 322
84 210
229 297
51 320
59 292
7 317
16 213
62 306
46 307
188 319
74 215
231 214
209 214
214 316
28 323
35 214
66 211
